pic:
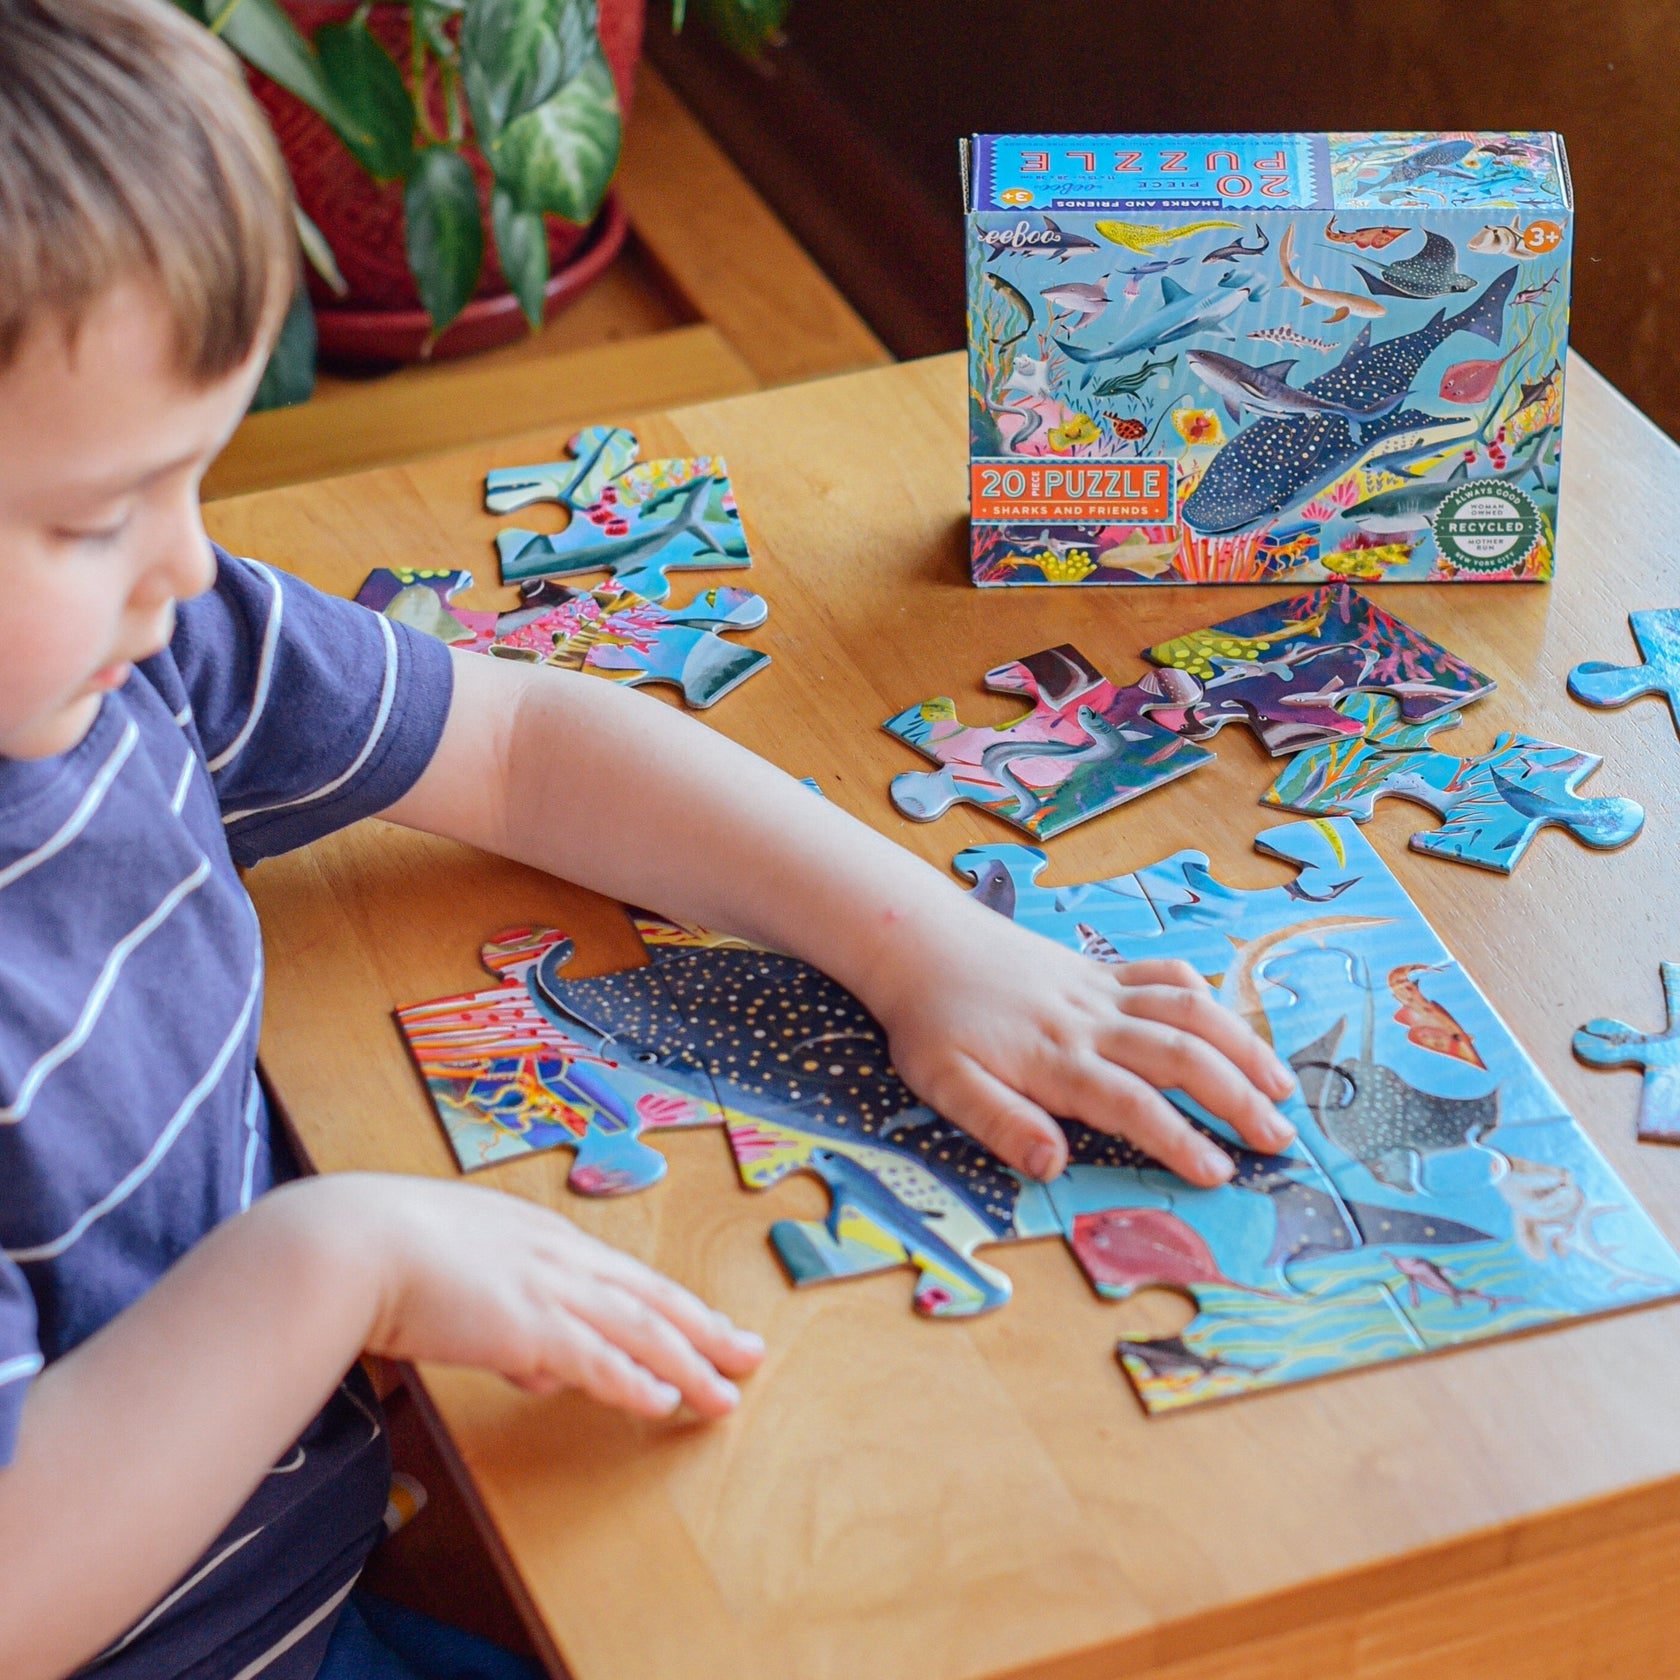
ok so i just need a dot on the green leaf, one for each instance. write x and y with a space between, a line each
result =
370 89
444 233
749 26
261 33
522 249
290 375
561 156
431 18
517 54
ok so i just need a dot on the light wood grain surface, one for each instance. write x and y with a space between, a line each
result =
904 1500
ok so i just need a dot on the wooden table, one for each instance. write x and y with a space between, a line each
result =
900 1500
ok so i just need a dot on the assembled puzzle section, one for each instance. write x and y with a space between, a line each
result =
1612 1044
1437 1193
1492 806
636 521
505 1082
1247 357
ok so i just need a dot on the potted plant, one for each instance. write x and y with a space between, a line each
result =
450 158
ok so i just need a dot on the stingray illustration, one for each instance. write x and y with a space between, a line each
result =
1369 1111
1273 463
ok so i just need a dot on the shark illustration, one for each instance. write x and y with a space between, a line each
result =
1274 463
1024 240
1432 160
1266 390
1181 314
1412 506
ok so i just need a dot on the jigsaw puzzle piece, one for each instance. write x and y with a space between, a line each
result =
506 1082
598 455
1657 632
1083 748
648 643
680 515
422 599
1491 806
1611 1044
1423 676
1111 920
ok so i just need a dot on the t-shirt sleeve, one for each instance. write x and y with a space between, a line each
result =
20 1354
312 712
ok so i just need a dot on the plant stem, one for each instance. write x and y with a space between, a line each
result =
220 21
417 79
452 100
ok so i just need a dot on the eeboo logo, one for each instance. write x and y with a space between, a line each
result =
1486 527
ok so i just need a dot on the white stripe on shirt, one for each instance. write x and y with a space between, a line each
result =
82 815
15 1370
387 695
190 1105
307 1626
183 717
179 1593
265 671
252 1106
78 1034
181 786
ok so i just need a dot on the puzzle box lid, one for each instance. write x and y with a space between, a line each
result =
1519 169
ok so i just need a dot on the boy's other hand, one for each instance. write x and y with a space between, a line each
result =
999 1029
472 1277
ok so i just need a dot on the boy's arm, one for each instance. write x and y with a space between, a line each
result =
994 1026
139 1446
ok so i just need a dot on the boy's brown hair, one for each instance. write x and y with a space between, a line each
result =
130 147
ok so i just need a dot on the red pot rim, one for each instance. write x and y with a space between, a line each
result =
400 335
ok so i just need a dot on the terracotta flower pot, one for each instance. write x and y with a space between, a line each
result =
362 219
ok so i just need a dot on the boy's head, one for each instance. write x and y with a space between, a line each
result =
146 258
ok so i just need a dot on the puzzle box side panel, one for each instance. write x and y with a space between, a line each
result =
1258 385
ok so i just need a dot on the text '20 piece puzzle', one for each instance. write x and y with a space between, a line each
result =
1239 358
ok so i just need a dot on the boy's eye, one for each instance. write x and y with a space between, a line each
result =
92 533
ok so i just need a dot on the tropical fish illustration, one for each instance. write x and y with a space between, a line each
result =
1537 394
1432 272
1362 239
1144 237
1289 336
1432 160
1508 239
1181 314
1123 1249
1427 1023
1127 428
1412 506
1076 430
1471 383
1017 314
1024 241
1532 294
1129 384
1097 946
1373 1114
1340 304
1273 463
1266 390
1421 1274
1236 250
1138 554
1172 1356
1085 300
1368 563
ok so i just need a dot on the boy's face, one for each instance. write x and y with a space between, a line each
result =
102 447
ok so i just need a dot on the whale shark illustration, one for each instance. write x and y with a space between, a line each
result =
1274 463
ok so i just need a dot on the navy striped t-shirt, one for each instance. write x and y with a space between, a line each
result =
131 1120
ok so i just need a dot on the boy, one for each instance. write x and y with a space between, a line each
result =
190 1479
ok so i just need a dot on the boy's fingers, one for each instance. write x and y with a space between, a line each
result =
1203 1015
586 1360
1012 1126
1163 971
1113 1099
651 1339
731 1349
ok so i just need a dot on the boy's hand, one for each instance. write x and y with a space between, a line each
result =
999 1029
473 1277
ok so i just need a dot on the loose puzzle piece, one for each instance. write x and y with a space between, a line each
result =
1492 806
1608 1044
1085 747
1657 632
642 522
1282 668
423 600
608 630
598 455
505 1082
649 643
